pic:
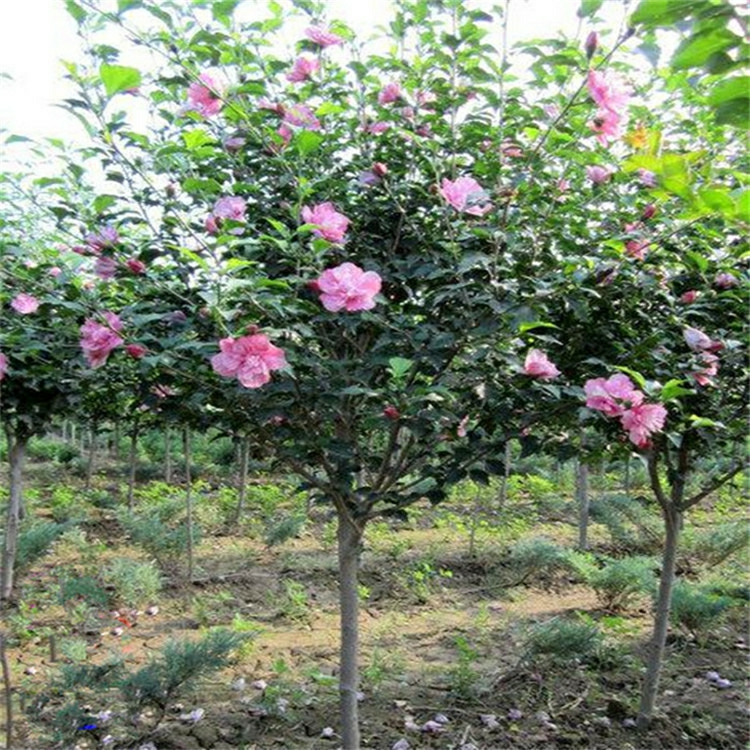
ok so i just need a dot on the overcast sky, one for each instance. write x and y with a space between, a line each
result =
36 34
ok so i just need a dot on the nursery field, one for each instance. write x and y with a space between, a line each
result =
481 627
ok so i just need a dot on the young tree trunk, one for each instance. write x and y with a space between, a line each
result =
16 456
92 456
627 479
582 498
349 541
168 455
116 441
242 484
673 523
132 465
8 694
506 474
188 501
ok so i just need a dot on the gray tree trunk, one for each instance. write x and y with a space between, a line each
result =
91 457
16 457
168 455
673 522
349 542
188 501
506 474
133 462
244 457
582 499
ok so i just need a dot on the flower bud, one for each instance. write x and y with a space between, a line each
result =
391 412
591 45
649 212
136 351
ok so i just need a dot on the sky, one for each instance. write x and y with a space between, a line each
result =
35 35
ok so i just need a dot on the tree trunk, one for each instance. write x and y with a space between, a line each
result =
168 455
242 484
133 461
116 441
16 456
92 456
188 501
349 541
8 693
582 498
627 482
673 522
506 474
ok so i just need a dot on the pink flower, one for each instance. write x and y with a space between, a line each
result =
97 340
647 178
348 287
105 267
537 365
230 207
25 304
204 95
609 91
725 281
329 223
689 297
511 150
106 238
648 212
467 195
55 271
563 185
641 421
301 116
322 37
136 266
704 375
377 128
234 143
3 365
598 175
611 94
607 125
637 248
699 341
250 359
604 395
136 351
304 66
390 93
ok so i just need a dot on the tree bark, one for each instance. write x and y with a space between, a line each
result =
91 457
168 455
582 498
673 522
506 474
349 541
8 694
16 457
242 484
132 460
188 501
116 441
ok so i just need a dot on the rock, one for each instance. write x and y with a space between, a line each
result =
206 735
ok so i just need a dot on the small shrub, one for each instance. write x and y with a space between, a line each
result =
536 556
631 524
697 609
136 583
463 676
77 588
67 453
715 545
35 540
563 640
284 529
295 603
620 582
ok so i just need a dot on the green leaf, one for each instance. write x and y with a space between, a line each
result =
75 10
306 142
196 138
223 10
729 88
673 389
664 12
705 422
124 5
695 50
398 367
117 78
523 327
717 200
733 112
743 206
589 7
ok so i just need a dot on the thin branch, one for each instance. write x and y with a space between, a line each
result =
713 486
